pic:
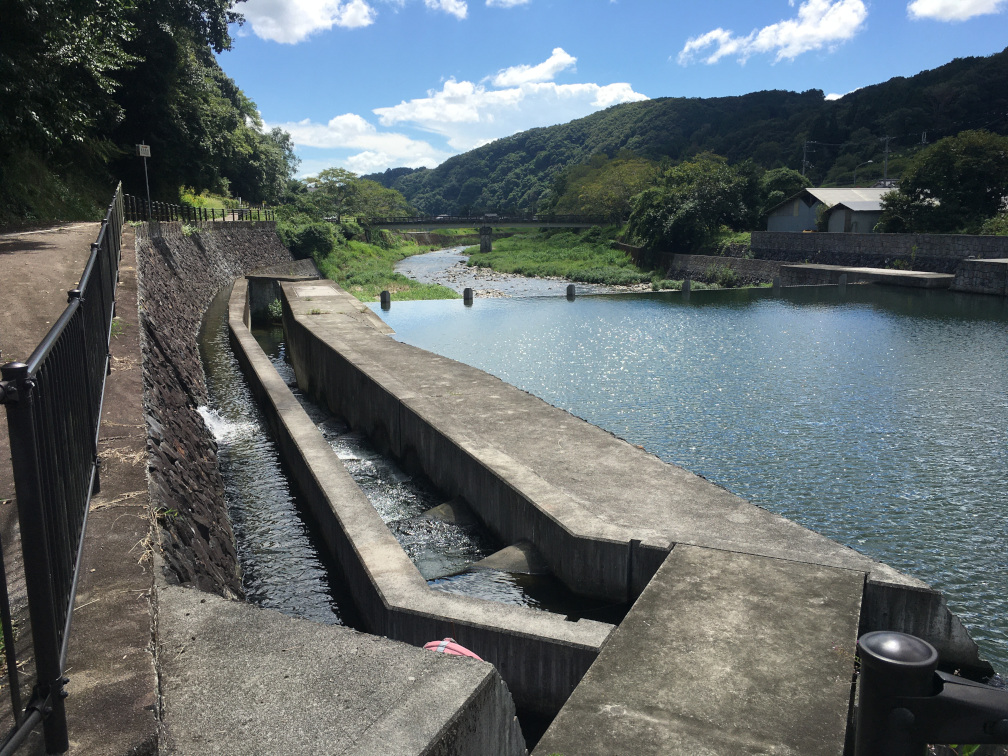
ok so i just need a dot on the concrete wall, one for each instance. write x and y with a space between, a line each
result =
264 285
541 656
703 267
178 276
938 253
982 277
603 513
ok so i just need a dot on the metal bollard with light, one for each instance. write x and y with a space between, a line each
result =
905 703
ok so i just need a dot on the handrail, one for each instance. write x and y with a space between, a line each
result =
54 402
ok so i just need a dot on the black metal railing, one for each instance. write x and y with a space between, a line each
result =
54 405
137 209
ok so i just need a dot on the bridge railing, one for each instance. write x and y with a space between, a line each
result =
54 405
137 209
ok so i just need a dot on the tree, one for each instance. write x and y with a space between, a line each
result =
333 190
603 188
694 200
954 185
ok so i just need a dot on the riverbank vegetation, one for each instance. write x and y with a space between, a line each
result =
588 257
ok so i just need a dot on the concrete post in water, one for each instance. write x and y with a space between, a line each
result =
776 284
570 292
843 283
386 300
486 238
467 297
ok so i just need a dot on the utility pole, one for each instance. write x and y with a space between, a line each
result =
885 167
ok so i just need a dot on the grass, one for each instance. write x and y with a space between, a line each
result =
587 257
366 270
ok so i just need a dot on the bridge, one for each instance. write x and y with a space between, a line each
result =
486 223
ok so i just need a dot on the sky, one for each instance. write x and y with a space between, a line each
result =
373 84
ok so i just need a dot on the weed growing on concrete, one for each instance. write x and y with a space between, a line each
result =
275 310
118 328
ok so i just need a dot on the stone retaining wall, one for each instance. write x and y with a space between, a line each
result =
704 268
178 276
937 253
982 277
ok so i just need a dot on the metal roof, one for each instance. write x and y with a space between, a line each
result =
831 197
859 206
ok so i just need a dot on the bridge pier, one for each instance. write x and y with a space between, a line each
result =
486 238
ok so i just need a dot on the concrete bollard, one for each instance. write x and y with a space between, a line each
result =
386 300
570 292
686 286
776 284
467 297
843 283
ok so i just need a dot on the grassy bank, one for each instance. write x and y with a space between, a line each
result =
586 257
365 270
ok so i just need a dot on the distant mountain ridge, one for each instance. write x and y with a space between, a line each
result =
772 128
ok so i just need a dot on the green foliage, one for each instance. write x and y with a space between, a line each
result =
602 188
520 172
694 200
83 81
586 257
314 239
365 270
275 309
722 275
954 185
996 226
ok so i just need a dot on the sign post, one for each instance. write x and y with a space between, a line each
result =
143 150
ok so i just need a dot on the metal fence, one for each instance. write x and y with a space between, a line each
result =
137 209
54 405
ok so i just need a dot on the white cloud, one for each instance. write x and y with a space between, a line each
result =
463 114
291 21
820 24
832 96
953 10
545 71
377 149
469 115
457 8
505 3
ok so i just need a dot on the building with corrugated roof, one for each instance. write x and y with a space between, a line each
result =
846 210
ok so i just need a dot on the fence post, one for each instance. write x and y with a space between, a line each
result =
35 550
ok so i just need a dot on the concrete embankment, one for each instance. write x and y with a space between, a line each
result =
604 513
540 655
743 632
232 678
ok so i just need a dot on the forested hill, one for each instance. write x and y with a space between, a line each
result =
517 174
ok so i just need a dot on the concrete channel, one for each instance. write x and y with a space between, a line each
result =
742 633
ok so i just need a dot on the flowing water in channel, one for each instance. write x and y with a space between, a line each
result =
878 417
442 551
281 558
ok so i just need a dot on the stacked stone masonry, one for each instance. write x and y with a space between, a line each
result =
982 277
179 274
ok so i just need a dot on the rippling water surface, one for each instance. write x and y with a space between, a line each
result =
279 555
878 418
442 551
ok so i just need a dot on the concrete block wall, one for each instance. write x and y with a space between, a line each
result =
937 253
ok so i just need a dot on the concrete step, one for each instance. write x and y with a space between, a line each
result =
722 653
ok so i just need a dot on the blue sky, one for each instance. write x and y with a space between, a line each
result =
373 84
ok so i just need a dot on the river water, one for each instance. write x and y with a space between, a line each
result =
877 417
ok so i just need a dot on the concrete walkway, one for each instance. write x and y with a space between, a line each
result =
819 275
